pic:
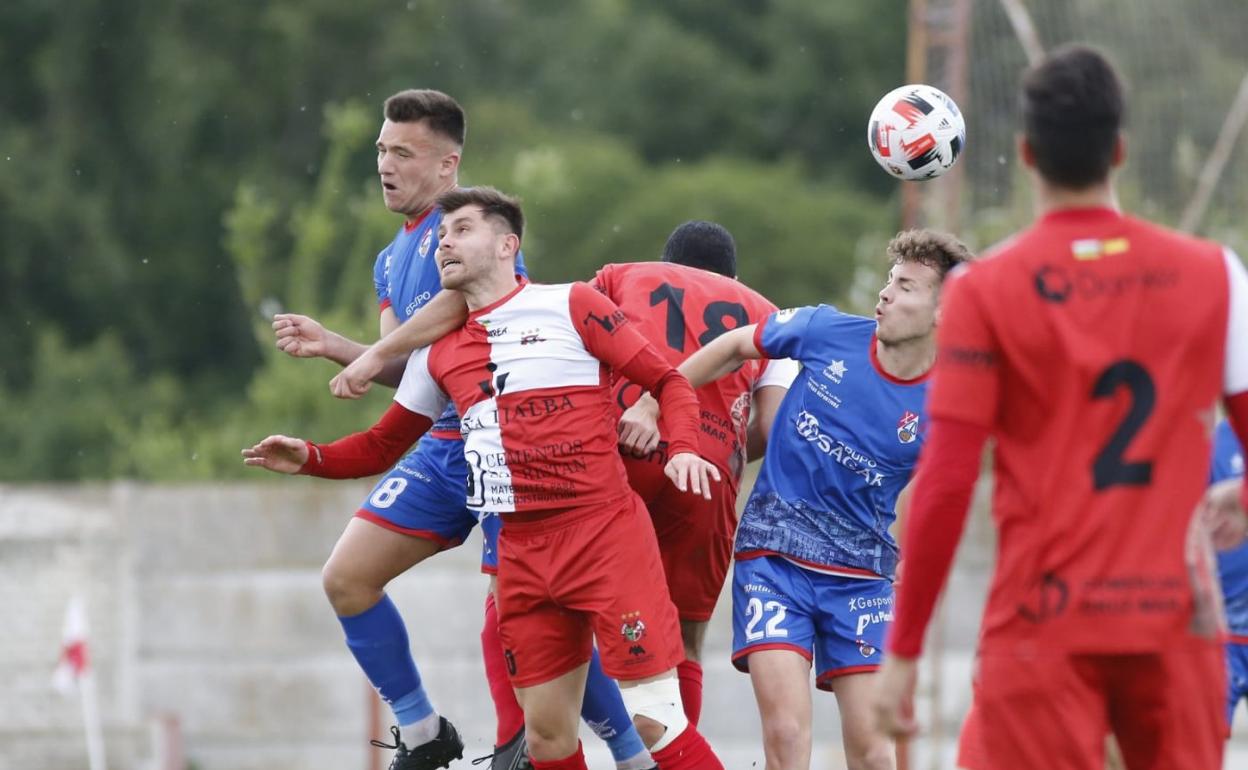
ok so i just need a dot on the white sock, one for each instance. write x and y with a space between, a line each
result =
641 761
421 731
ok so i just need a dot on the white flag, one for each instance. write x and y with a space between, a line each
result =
74 661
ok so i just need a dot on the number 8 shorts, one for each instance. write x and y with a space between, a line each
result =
424 494
838 623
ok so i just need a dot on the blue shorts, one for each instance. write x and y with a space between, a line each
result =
425 495
1237 678
838 622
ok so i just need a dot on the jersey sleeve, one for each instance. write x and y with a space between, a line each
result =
779 372
380 284
1235 374
418 391
966 379
1228 458
603 326
521 270
610 338
604 280
781 334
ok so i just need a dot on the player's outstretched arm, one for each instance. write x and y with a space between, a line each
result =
280 454
301 336
385 360
722 356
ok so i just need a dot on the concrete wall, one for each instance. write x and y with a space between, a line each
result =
205 604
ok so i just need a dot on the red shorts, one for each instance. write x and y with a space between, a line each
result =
1054 710
695 536
579 576
971 742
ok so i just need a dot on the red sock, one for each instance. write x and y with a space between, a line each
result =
507 711
574 761
689 751
690 675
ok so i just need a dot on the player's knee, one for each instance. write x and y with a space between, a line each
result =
785 734
344 593
875 753
546 742
656 711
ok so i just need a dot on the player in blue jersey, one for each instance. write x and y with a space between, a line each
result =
1228 466
814 556
418 508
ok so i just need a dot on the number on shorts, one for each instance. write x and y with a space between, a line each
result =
388 491
755 611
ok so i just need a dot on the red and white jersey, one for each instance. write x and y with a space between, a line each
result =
1093 347
529 376
679 309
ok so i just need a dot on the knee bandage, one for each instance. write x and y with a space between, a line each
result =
658 700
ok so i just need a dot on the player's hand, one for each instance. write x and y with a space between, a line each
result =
691 473
299 335
280 454
893 700
355 380
639 426
1224 513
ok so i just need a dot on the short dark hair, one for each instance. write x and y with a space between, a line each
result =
939 251
493 203
1072 107
440 112
704 245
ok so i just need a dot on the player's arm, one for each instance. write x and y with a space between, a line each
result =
774 381
625 350
302 336
384 361
360 454
721 356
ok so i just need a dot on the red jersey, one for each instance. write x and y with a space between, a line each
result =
1093 347
529 376
679 309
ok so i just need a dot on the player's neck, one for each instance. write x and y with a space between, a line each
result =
423 206
489 290
908 359
1050 198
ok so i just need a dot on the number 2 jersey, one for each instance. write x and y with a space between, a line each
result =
1093 347
679 309
529 375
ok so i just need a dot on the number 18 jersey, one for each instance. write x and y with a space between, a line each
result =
1093 346
679 309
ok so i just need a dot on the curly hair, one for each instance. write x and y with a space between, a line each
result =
937 250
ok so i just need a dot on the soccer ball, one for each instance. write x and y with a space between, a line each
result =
916 132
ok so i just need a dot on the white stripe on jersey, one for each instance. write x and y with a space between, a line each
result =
535 343
779 372
489 476
1235 374
417 391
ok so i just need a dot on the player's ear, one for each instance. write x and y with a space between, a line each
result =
1120 151
510 245
450 163
1025 153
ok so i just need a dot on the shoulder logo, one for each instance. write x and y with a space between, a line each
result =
908 428
425 243
1237 463
609 323
786 315
835 371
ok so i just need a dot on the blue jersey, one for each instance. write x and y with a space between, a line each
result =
845 442
406 278
1228 462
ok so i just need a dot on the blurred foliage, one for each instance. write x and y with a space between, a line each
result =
176 172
